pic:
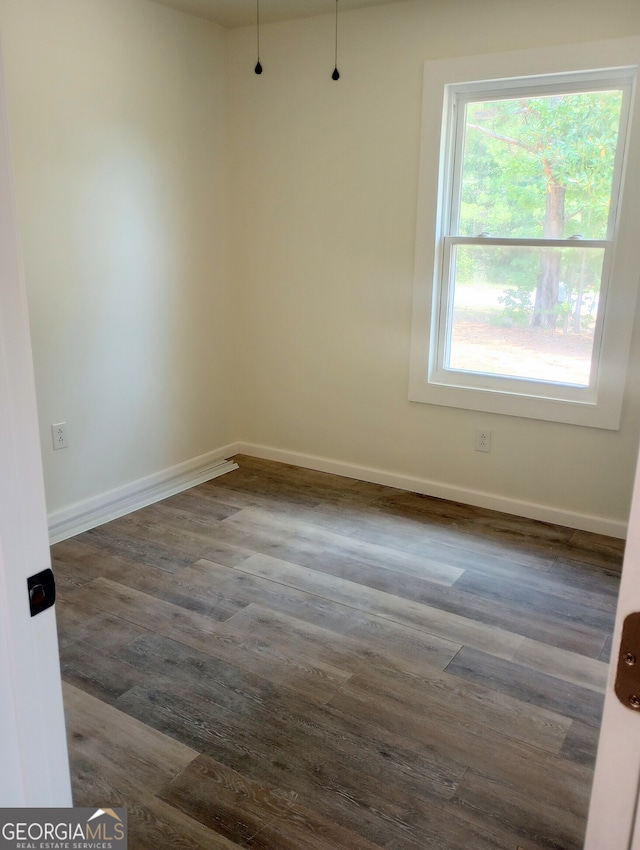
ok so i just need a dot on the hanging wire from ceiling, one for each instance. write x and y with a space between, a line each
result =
258 68
336 73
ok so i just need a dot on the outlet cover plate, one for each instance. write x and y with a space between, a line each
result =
483 440
59 435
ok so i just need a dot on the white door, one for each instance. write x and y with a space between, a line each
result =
617 778
34 768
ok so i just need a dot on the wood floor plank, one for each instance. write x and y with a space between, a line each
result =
246 588
145 549
602 579
117 760
530 534
273 758
92 627
112 741
452 700
571 667
440 623
281 658
264 522
409 649
284 483
305 827
451 833
607 650
291 727
524 683
526 542
597 549
492 804
424 535
580 608
152 823
319 680
224 800
85 561
402 649
364 803
581 743
232 806
96 672
188 590
492 753
164 659
498 531
242 534
197 503
513 616
74 563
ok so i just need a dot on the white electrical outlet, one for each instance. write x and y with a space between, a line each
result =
483 440
59 435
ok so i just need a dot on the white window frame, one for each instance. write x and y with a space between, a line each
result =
447 82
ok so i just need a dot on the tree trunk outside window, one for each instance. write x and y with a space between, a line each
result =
544 313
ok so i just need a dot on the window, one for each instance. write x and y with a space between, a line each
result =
516 308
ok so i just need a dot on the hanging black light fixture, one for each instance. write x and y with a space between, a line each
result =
258 68
336 73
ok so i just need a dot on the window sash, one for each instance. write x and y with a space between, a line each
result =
457 96
440 373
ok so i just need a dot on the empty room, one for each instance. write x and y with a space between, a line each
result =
333 336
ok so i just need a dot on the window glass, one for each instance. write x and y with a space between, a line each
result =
497 325
539 166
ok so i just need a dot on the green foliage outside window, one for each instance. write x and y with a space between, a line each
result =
537 167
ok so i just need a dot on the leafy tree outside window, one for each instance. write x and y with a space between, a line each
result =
532 181
527 252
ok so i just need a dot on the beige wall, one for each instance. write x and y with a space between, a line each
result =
325 183
213 256
118 115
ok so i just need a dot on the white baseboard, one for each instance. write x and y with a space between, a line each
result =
82 516
491 501
90 513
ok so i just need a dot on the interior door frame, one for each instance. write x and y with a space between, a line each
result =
614 794
35 765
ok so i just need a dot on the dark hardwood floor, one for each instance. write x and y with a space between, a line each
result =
281 659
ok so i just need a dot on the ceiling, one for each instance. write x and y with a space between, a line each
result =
241 13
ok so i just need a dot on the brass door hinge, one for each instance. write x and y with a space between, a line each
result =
628 673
